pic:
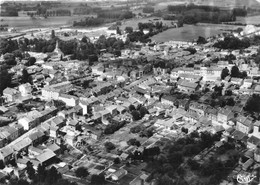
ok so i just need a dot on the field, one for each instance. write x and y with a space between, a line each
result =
191 32
27 22
249 20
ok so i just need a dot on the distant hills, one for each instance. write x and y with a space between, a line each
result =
230 3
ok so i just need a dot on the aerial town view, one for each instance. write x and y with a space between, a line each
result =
130 92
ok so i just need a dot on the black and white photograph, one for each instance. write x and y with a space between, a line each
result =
129 92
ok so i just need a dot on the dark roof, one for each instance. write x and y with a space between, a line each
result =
254 140
237 135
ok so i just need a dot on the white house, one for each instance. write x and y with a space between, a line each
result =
25 89
69 100
11 94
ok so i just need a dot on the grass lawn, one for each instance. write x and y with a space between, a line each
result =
191 32
27 22
249 20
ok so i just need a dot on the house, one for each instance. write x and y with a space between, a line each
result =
237 81
53 91
256 129
169 100
14 134
257 89
6 154
48 113
190 77
211 113
58 121
187 86
183 104
22 145
121 109
224 115
36 137
84 105
54 131
69 100
112 110
253 142
54 148
257 154
11 94
19 128
92 132
30 120
105 114
247 83
25 89
33 151
45 157
160 71
244 124
197 108
117 175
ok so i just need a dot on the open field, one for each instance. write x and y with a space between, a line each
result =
249 20
28 22
191 32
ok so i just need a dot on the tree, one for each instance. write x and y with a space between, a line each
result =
201 40
165 180
31 61
2 165
134 141
64 182
9 59
19 182
5 79
117 160
109 146
235 72
118 31
129 29
82 172
131 108
136 129
18 53
25 76
143 111
136 115
52 34
253 104
30 170
98 179
52 176
224 73
194 165
41 173
230 101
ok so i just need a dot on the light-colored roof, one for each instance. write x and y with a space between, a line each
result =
48 154
6 151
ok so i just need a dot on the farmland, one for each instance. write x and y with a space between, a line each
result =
249 20
28 22
190 32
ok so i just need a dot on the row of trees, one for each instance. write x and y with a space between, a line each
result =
230 42
184 8
89 21
196 16
115 14
138 112
235 72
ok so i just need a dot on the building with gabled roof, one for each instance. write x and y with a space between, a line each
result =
6 153
11 94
